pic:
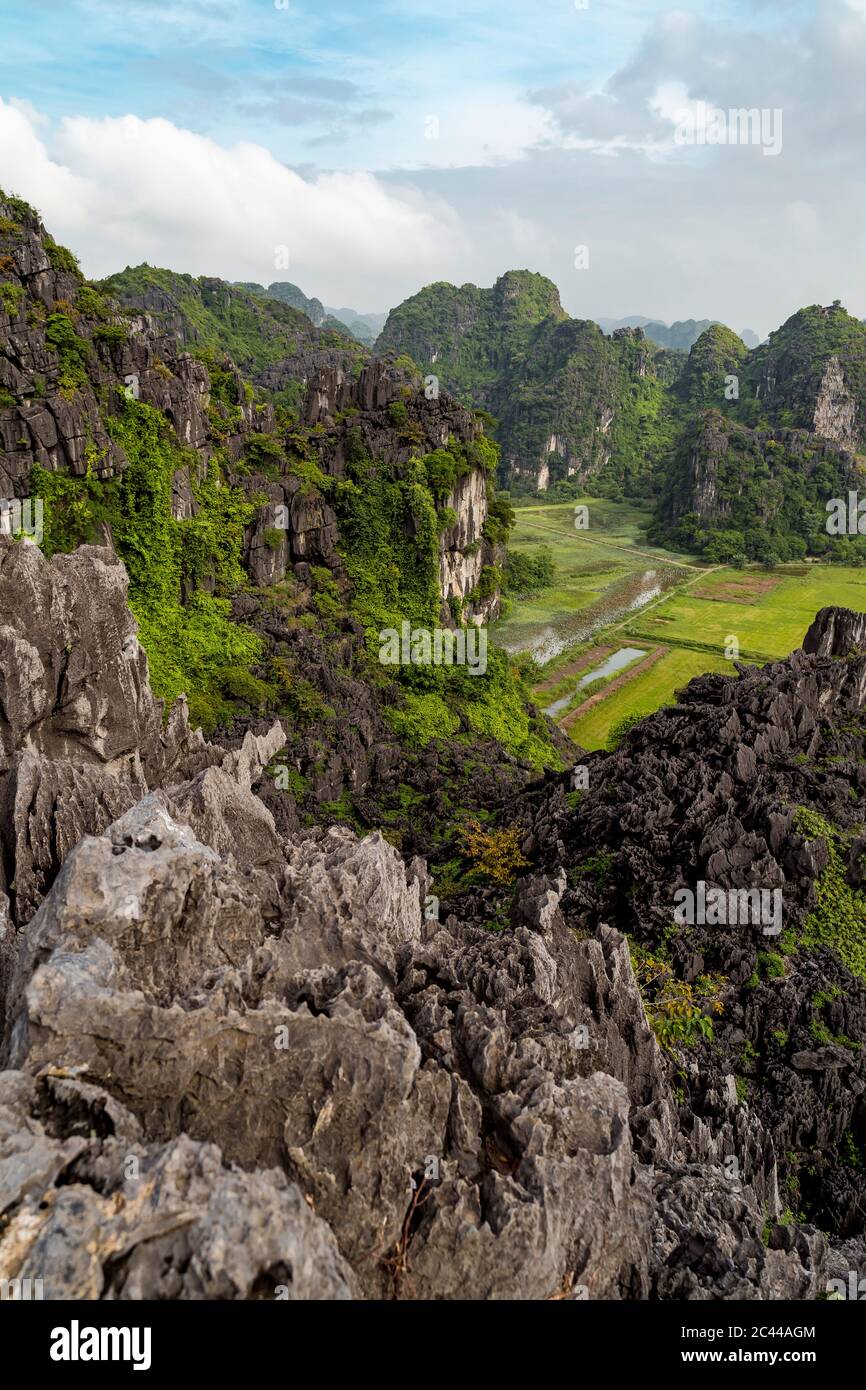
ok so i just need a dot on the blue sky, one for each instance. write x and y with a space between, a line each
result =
550 124
342 85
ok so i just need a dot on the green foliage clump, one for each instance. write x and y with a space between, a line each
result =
678 1013
422 718
72 352
489 581
850 1153
240 684
771 965
297 696
264 452
114 334
500 516
598 864
621 727
62 260
93 304
529 572
839 920
189 645
11 297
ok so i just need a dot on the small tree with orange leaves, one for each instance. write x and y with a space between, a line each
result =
495 853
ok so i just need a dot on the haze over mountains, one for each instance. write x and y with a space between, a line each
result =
681 334
364 327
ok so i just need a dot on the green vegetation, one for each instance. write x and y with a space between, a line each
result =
390 546
717 354
61 259
840 918
256 331
11 297
528 573
773 487
72 352
618 731
193 648
514 352
597 865
772 476
679 1014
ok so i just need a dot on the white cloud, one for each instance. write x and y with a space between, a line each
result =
123 190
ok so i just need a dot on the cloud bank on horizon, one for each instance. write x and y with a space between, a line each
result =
365 152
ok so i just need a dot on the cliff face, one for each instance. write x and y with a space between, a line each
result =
766 439
811 374
234 1058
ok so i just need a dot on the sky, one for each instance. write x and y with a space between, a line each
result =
365 148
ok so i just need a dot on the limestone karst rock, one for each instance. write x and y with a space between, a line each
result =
204 1018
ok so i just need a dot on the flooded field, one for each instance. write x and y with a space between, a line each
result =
617 661
626 595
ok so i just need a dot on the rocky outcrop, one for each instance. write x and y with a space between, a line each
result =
207 1021
836 409
82 737
836 632
93 1211
446 1100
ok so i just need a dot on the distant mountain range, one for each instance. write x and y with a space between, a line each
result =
364 327
682 334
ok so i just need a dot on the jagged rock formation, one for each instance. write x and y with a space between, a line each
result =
713 790
836 632
262 331
240 1063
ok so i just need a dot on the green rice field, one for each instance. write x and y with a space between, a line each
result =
613 590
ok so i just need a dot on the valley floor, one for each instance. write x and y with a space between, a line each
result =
626 624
